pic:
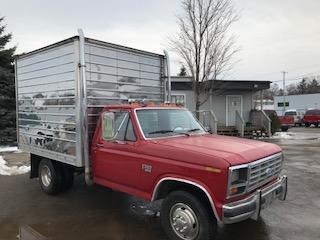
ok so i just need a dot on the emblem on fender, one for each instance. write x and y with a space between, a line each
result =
147 168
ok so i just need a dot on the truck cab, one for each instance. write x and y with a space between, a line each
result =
297 116
163 152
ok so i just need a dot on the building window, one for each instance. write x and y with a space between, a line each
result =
280 104
179 99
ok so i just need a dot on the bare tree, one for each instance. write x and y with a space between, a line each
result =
204 42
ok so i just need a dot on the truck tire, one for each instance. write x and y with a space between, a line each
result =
183 216
307 124
50 177
284 128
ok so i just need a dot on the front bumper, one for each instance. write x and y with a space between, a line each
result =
251 206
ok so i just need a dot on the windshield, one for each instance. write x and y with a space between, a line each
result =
168 122
291 113
313 112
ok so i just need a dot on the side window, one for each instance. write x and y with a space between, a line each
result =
130 135
114 125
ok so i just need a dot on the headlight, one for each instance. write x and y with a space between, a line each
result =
238 177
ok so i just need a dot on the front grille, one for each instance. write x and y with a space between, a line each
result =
262 171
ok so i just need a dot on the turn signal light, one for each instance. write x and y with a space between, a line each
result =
233 190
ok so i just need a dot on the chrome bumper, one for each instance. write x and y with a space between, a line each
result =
251 206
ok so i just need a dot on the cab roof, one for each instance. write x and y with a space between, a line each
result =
141 105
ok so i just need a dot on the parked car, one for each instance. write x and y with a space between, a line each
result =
152 150
286 122
312 117
296 115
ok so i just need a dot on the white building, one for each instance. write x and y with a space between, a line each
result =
267 104
301 103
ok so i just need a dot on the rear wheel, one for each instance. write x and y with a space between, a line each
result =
184 217
50 177
307 124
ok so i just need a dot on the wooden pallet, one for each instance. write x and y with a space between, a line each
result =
255 133
228 131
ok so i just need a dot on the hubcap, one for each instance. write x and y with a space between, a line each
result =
45 176
184 221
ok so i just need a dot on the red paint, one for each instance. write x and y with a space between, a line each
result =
286 120
312 117
120 166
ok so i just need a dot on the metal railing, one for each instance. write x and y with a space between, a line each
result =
208 119
239 123
266 122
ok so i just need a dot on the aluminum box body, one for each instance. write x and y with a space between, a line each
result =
59 98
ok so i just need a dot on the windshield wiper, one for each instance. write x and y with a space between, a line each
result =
161 131
167 131
193 130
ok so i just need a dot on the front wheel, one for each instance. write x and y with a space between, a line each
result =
184 217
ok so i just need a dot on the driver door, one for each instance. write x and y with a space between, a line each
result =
116 160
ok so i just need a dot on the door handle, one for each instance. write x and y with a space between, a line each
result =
119 142
99 145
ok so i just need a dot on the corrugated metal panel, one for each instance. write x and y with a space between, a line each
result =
116 74
50 92
46 103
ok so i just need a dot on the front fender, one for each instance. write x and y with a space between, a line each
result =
195 183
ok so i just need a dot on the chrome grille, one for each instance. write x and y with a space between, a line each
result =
262 171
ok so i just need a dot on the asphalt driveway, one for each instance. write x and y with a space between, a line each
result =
99 213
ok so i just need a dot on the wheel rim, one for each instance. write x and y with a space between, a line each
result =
45 176
184 221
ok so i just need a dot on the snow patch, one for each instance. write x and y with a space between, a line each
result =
14 170
9 149
283 135
296 136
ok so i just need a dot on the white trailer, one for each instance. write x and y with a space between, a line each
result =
62 88
301 103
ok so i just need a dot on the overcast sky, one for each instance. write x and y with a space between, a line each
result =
274 35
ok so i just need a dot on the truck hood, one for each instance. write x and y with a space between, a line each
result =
232 149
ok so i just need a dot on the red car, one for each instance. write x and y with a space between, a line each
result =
312 117
286 122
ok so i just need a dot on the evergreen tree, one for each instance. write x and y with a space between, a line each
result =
7 87
314 86
183 71
302 86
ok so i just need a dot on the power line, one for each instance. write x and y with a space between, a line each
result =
291 69
299 77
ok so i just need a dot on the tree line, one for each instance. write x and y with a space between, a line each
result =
7 87
307 85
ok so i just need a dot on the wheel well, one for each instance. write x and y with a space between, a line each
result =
35 161
168 186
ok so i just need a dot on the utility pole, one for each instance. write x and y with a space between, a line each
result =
284 91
